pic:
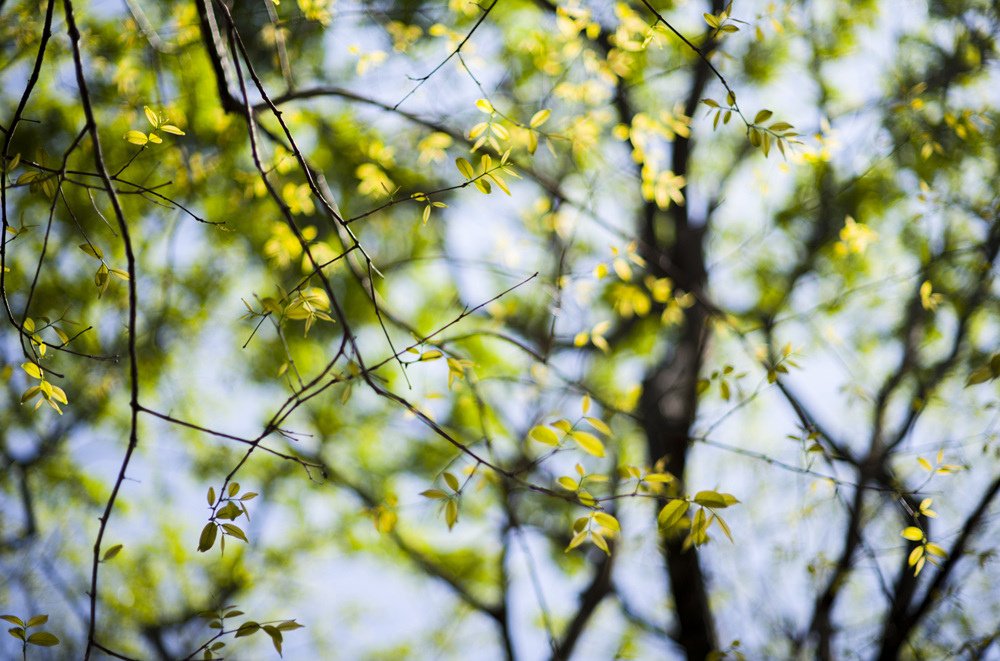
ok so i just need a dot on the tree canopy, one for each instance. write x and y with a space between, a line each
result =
510 329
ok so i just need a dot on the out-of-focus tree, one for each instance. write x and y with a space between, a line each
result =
567 329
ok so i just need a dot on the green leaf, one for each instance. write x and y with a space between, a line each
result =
672 512
211 496
208 534
43 639
465 168
762 116
980 375
713 499
451 481
13 619
230 511
275 635
247 629
451 513
17 632
112 552
725 527
235 531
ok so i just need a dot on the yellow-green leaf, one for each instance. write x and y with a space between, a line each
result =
112 552
725 528
43 639
710 499
563 425
934 549
539 118
599 425
235 531
588 443
136 137
600 542
208 535
544 435
568 483
672 512
578 539
607 521
247 629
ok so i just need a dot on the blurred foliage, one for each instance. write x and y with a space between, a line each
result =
508 310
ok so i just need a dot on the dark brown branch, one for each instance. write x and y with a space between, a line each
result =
4 160
599 587
821 625
133 438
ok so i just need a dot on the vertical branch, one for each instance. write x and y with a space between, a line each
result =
669 401
4 156
99 163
